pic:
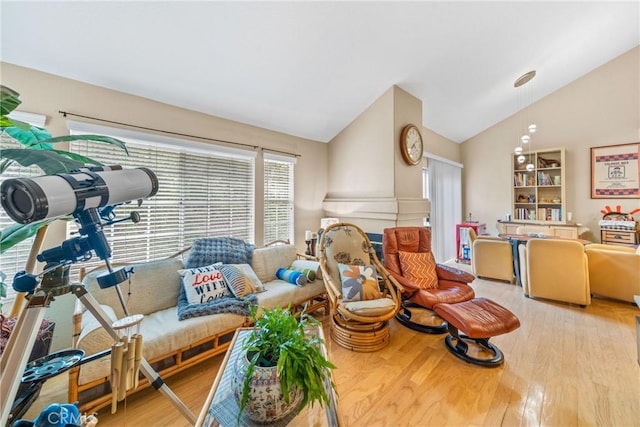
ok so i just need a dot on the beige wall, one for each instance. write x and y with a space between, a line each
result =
407 110
436 144
46 94
369 182
361 156
600 108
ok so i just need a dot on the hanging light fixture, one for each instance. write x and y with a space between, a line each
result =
530 129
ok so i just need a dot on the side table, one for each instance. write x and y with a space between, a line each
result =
221 408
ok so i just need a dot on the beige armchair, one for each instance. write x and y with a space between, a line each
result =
555 269
614 271
491 257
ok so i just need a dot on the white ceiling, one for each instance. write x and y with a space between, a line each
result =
309 68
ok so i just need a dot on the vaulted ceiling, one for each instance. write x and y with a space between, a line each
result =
309 68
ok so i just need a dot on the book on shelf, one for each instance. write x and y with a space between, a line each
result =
544 179
524 213
550 214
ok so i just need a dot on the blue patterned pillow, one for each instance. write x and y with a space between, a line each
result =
292 276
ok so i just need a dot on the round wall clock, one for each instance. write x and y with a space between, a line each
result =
411 145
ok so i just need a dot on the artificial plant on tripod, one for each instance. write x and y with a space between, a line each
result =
36 148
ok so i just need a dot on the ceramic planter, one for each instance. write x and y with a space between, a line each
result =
266 403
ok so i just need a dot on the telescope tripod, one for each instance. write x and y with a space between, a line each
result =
22 340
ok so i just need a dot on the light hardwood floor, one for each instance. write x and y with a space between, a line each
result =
565 366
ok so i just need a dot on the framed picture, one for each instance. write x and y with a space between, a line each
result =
615 171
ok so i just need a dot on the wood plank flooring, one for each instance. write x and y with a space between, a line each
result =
565 366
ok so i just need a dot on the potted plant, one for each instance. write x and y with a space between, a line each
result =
297 372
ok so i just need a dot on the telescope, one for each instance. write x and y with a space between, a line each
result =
89 194
50 196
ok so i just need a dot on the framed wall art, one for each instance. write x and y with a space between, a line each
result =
615 171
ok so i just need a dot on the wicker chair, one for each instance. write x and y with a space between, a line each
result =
356 325
418 303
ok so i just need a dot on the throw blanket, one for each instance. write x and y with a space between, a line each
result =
219 305
227 250
207 251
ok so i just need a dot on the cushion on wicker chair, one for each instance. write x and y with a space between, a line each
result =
373 307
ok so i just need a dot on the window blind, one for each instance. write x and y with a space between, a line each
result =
200 195
14 259
278 198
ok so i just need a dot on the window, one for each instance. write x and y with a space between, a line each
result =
425 183
15 259
278 198
202 193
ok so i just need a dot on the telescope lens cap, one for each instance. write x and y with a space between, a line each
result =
24 200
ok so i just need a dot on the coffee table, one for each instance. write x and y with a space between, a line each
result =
221 408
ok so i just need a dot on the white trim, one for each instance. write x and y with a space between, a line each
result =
31 118
279 157
442 159
159 140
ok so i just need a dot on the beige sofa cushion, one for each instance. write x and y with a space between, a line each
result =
158 338
373 308
279 293
266 261
153 286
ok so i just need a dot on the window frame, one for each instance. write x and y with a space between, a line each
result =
178 148
271 161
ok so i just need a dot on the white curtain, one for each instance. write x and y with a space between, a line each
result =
445 193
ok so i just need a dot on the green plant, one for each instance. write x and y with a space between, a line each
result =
282 339
37 149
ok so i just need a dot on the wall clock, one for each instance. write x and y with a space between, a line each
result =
411 145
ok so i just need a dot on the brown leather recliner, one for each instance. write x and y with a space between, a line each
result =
418 303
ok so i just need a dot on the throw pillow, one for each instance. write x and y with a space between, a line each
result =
239 283
255 281
359 282
308 273
203 284
311 268
420 268
292 276
255 285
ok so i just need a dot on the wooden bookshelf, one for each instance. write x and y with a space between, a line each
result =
539 196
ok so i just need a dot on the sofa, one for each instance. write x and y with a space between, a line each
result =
171 345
